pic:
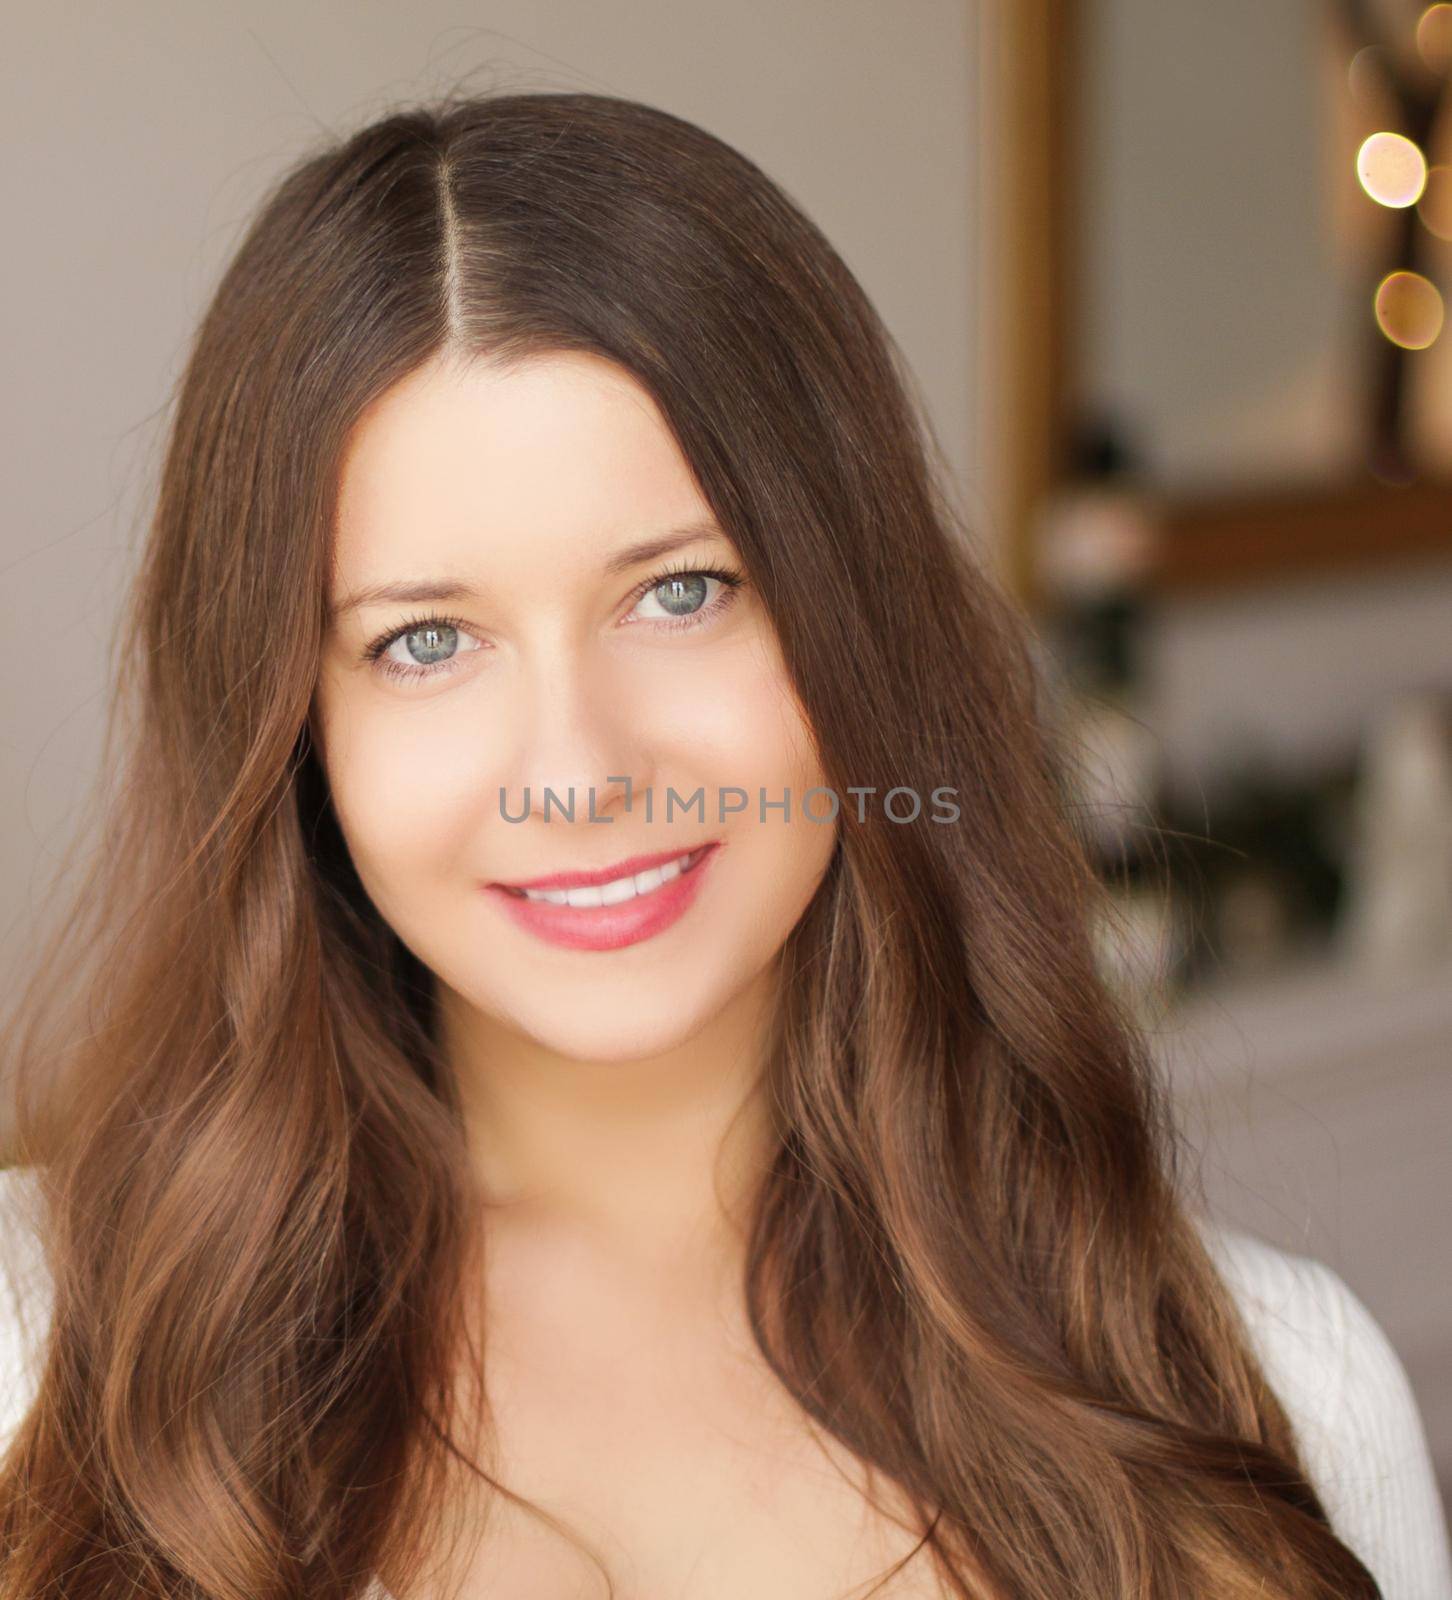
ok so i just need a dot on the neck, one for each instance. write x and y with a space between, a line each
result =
654 1161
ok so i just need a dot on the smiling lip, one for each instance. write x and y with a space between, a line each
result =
593 879
609 927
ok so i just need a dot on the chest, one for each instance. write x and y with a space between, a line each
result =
686 1467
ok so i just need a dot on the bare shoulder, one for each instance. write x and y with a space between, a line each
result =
25 1295
1352 1407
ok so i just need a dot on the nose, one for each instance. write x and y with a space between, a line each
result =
579 744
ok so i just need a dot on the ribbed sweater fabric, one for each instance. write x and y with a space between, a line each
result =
1341 1381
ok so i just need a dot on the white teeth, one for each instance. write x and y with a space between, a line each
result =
609 894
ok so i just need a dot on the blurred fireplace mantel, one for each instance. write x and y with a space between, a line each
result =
1225 539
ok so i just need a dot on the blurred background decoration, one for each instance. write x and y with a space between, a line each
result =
1225 249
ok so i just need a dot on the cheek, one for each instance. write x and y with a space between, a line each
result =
752 735
736 715
407 788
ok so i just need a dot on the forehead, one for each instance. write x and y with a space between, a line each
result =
458 465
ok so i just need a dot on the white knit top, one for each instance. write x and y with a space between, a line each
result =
1342 1384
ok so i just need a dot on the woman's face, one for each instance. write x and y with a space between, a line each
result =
552 653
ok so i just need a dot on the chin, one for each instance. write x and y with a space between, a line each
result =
630 1030
606 1045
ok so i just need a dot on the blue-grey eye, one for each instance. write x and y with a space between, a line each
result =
436 643
682 595
429 647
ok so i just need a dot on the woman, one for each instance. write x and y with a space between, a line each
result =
463 1169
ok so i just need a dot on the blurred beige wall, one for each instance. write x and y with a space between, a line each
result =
140 137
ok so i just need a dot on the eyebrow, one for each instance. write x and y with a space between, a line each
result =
422 590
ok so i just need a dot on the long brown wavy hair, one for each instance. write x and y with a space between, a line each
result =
974 1260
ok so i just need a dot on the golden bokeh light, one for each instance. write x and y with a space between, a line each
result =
1434 37
1392 170
1409 310
1435 206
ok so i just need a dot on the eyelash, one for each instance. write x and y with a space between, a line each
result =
374 653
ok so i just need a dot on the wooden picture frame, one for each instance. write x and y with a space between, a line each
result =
1209 541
